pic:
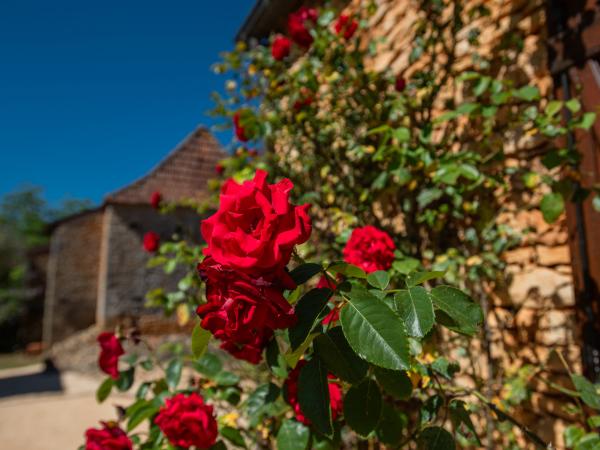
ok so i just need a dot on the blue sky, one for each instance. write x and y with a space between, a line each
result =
94 94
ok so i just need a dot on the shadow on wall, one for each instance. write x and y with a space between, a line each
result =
46 381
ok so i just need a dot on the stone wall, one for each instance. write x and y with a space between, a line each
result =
126 277
534 311
72 277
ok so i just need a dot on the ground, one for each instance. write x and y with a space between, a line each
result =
44 409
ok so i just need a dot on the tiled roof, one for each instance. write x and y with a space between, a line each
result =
184 173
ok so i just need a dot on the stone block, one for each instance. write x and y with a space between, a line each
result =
553 256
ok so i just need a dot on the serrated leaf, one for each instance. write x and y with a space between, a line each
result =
379 279
587 390
200 339
313 395
362 407
445 368
173 373
338 356
308 310
586 121
528 93
414 306
416 278
572 435
292 435
104 389
552 206
225 378
435 438
394 382
305 272
374 331
459 307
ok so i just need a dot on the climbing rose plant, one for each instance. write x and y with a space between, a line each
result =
327 317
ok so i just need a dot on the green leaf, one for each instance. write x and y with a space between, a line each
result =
292 435
436 438
467 108
260 402
406 265
552 206
394 382
209 365
414 306
416 278
141 414
459 414
374 331
586 121
589 393
305 272
200 338
572 435
553 107
350 270
573 105
104 389
362 407
125 380
528 93
233 435
225 378
313 396
594 421
338 356
308 310
173 373
389 428
590 441
220 445
445 368
466 314
426 196
379 279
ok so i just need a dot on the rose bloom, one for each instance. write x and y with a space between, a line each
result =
280 47
187 421
110 351
291 387
243 311
297 25
151 241
219 168
256 226
155 199
370 249
334 314
109 437
400 84
240 133
346 25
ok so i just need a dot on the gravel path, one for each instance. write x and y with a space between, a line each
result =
49 411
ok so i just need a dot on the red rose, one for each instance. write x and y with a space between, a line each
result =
240 132
334 314
291 387
243 311
110 351
109 437
297 25
400 84
281 47
370 249
155 199
151 241
346 26
300 104
219 168
256 226
187 421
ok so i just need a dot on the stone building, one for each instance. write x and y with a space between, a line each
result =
97 269
550 300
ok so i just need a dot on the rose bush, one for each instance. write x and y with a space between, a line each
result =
353 349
